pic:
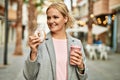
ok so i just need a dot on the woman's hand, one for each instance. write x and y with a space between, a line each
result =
76 59
33 42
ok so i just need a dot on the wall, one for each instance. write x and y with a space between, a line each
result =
101 7
114 4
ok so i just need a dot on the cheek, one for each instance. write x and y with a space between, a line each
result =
47 21
62 22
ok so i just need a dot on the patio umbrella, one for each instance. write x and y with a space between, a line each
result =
96 29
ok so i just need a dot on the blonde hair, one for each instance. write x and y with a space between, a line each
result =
62 8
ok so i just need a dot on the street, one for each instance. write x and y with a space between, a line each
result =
105 70
97 69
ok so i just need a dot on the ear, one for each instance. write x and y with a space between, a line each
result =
66 19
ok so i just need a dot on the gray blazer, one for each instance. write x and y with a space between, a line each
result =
44 67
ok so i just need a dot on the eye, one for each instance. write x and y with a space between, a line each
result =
56 17
48 17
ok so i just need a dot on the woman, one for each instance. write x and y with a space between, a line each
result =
53 59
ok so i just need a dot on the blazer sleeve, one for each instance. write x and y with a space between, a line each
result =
85 75
31 69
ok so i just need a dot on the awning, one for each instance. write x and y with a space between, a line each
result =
96 29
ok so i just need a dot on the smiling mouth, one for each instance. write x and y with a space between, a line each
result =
53 25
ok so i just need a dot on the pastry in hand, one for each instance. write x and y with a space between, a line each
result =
41 34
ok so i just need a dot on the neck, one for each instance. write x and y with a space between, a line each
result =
59 35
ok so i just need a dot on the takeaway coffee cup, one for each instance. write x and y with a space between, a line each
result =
75 47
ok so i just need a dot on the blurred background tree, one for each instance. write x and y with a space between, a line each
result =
32 20
32 14
90 22
18 47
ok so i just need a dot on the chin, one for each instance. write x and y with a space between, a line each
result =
53 30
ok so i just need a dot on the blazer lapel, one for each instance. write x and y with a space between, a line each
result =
70 68
51 51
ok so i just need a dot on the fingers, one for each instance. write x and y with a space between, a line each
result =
76 58
78 63
32 37
33 41
76 53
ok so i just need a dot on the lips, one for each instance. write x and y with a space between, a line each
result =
53 25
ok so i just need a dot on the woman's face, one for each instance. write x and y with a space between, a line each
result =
55 20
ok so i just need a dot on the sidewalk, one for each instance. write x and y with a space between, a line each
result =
14 69
97 69
105 69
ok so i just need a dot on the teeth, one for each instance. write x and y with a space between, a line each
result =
53 24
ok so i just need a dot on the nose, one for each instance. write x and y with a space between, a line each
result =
50 20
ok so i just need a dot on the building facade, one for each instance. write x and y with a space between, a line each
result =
107 14
11 18
1 21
